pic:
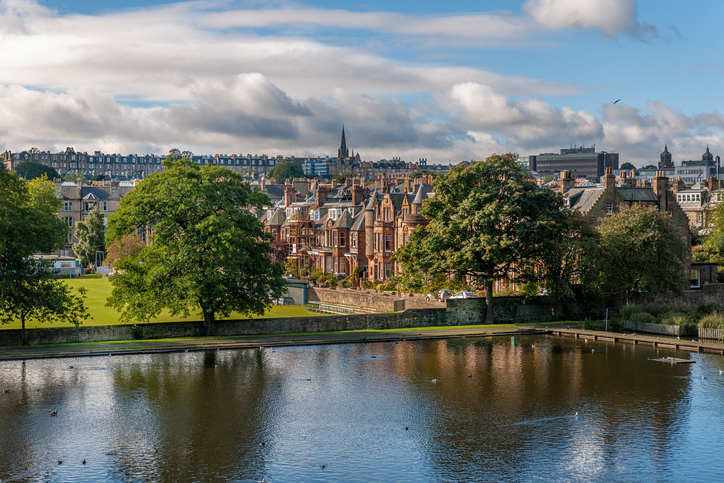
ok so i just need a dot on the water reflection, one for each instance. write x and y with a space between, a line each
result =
530 409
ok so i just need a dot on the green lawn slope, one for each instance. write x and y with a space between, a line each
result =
99 289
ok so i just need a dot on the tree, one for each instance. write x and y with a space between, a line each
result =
69 150
75 178
174 154
29 224
91 237
30 170
639 253
627 167
286 170
128 246
207 250
420 173
488 221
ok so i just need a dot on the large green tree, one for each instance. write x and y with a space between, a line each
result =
29 290
91 235
206 248
30 170
639 253
286 170
488 221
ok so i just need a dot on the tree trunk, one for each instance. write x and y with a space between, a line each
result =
22 322
209 322
488 301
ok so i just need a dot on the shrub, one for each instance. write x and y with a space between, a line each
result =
643 318
714 320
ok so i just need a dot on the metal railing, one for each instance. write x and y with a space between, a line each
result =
330 309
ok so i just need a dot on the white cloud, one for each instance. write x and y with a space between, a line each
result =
610 17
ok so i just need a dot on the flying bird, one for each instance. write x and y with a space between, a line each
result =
616 101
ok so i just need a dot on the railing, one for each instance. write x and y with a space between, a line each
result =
330 309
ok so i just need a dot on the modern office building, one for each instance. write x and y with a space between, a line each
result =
582 162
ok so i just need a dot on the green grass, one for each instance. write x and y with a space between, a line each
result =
99 289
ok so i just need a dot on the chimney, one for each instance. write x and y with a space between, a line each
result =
660 186
565 181
356 195
262 183
289 196
334 183
678 185
712 183
609 180
321 196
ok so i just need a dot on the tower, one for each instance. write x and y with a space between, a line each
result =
343 152
707 156
666 159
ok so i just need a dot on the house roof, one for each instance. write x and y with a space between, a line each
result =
582 199
277 218
344 221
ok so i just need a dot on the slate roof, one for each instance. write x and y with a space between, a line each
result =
359 222
344 221
582 199
277 218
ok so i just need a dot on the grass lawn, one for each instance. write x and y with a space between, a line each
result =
99 289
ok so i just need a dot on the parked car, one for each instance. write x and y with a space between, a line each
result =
444 294
463 295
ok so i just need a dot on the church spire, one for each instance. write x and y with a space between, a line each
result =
343 152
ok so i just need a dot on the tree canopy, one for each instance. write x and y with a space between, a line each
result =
91 237
488 221
286 170
627 166
638 253
29 224
30 170
206 249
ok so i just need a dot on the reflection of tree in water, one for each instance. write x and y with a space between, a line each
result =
199 410
517 413
34 388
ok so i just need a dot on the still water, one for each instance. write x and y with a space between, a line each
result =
496 409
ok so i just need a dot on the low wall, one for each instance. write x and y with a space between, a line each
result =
369 298
519 310
409 318
713 292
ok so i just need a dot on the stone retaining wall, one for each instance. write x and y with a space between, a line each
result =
518 310
369 298
409 318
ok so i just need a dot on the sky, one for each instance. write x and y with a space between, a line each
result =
445 81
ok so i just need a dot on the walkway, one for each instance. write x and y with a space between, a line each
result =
246 342
648 339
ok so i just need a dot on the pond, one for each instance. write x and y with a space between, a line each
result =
536 408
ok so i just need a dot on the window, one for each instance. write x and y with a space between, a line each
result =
388 242
67 206
342 239
105 206
69 221
609 208
388 270
274 233
353 240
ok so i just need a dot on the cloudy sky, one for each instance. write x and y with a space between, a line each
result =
442 80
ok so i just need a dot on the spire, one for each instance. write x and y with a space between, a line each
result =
343 152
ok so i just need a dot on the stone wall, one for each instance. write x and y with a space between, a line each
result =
518 310
409 318
713 292
369 298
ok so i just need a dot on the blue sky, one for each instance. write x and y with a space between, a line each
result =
442 80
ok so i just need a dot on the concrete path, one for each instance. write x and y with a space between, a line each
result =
245 342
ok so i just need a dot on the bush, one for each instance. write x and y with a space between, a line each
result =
643 318
714 320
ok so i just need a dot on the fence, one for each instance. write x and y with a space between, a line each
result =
330 309
653 328
710 334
